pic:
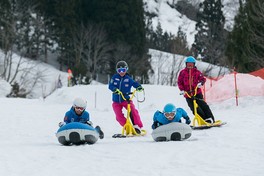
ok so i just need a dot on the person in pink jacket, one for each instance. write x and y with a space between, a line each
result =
188 79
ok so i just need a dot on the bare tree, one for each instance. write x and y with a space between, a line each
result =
176 68
167 68
21 73
15 69
98 48
91 48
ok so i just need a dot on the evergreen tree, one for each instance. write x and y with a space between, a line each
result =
123 22
245 48
178 44
235 49
255 48
58 22
7 31
209 42
157 38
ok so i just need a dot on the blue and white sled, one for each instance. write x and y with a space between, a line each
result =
172 132
77 133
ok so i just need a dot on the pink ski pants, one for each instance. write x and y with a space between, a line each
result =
117 107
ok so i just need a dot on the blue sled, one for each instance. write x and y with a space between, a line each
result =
77 133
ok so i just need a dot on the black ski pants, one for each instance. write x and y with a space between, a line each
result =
203 109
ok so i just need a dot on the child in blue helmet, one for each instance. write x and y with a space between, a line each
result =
189 78
170 114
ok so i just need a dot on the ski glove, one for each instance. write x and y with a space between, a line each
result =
187 121
182 92
199 85
117 91
155 125
61 124
89 122
140 89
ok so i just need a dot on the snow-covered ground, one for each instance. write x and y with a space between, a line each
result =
29 146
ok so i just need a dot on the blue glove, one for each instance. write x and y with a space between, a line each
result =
140 88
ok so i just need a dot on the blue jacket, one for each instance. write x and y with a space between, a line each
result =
71 116
124 84
160 119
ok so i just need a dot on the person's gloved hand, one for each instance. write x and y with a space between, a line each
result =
182 92
61 124
140 88
188 121
117 91
199 85
155 125
89 122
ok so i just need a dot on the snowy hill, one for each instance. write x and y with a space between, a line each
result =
44 76
170 19
29 146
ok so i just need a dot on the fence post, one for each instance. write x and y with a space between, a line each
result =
95 98
236 91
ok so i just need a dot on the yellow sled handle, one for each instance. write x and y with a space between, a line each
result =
131 93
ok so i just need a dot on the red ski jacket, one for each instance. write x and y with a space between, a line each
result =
188 80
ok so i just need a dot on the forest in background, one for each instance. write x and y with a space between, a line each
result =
91 36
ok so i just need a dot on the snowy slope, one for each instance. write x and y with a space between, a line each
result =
29 146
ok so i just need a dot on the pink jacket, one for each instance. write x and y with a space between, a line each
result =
188 80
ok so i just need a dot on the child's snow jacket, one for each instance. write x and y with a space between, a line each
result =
124 84
71 116
188 80
160 119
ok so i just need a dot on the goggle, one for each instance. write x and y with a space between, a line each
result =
169 114
79 108
123 70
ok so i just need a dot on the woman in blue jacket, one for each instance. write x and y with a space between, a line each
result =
170 114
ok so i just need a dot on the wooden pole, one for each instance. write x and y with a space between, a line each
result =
236 91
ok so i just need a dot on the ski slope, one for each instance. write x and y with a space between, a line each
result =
29 146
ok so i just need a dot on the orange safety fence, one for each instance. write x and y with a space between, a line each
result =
259 73
233 85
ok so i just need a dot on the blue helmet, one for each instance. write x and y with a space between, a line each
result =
190 59
169 108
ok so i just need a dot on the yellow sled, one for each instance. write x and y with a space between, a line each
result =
198 122
128 130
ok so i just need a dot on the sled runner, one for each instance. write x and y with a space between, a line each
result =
218 123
